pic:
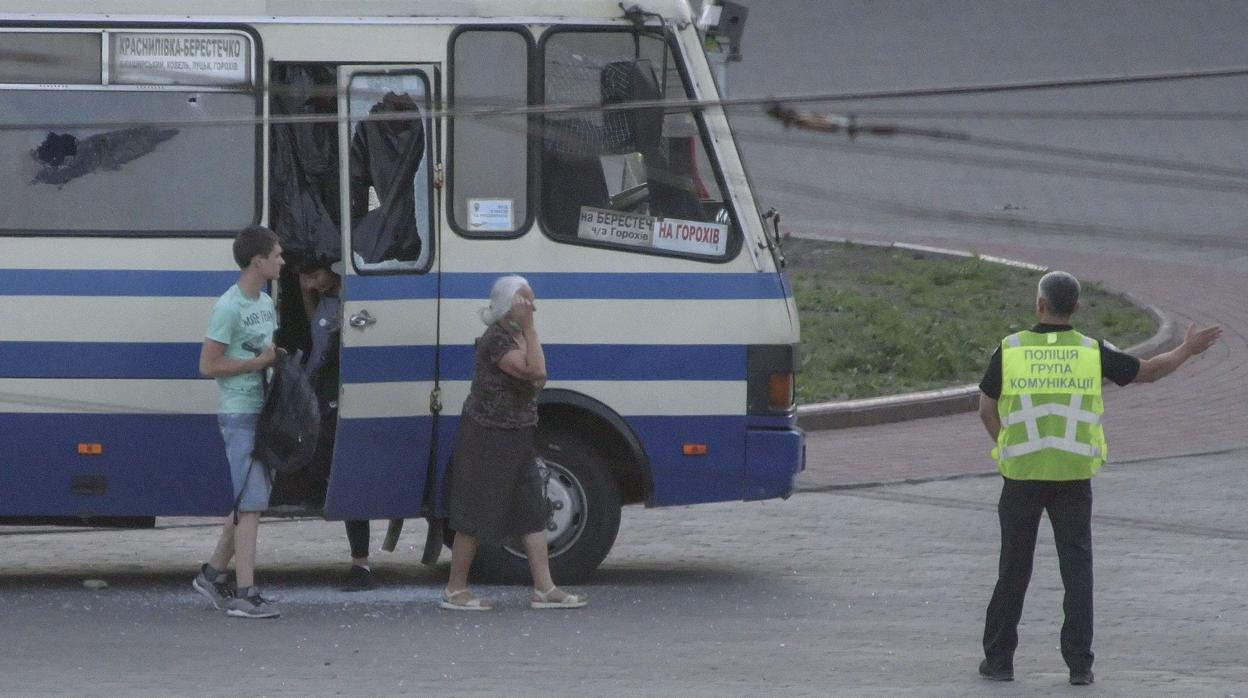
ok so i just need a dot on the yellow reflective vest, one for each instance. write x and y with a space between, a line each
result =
1050 407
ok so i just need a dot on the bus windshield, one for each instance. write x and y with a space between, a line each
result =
636 178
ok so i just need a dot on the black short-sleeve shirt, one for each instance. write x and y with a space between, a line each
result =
1117 366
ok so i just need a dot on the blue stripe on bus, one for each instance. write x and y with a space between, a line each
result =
169 465
576 285
711 362
387 364
99 360
114 282
177 361
553 285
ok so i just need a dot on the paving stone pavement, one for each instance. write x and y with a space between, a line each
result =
1201 408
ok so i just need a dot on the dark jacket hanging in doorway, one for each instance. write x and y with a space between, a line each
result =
304 189
385 155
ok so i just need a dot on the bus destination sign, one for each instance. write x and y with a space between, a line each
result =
193 59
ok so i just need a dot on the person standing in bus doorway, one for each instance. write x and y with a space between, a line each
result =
495 488
238 347
320 282
1041 403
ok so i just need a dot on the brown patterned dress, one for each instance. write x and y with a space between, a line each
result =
494 489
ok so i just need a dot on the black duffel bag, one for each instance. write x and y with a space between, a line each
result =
290 421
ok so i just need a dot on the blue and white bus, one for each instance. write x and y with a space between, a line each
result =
441 146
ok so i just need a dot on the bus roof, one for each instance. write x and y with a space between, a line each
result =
171 9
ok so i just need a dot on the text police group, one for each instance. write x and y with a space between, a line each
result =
1053 365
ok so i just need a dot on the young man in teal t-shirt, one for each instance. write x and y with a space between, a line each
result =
238 347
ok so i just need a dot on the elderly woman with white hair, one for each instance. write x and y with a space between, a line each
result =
495 490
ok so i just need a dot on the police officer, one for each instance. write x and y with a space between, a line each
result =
1041 403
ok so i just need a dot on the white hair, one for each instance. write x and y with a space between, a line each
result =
501 298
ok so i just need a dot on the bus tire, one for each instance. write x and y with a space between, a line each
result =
584 513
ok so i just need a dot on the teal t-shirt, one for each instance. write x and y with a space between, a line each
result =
245 326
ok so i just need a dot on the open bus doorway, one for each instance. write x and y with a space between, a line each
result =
370 174
305 212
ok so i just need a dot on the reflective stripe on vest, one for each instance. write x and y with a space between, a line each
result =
1061 437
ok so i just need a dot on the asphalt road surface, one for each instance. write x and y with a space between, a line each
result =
861 591
1180 192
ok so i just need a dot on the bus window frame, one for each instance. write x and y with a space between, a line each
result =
259 208
533 143
433 88
736 241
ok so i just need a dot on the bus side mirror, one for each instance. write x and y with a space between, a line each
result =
724 24
625 176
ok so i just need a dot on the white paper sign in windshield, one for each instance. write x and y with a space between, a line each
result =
490 215
604 225
691 236
640 230
152 58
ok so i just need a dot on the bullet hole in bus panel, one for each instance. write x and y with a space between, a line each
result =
64 157
56 148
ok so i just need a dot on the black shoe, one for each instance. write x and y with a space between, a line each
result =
1081 678
359 579
996 673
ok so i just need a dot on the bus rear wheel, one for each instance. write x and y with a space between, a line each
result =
583 513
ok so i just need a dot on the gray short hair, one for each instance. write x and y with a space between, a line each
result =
501 298
1060 292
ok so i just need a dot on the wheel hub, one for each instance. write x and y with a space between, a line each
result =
566 503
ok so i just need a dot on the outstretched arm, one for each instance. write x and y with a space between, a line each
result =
1162 365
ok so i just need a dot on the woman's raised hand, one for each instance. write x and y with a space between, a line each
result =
522 310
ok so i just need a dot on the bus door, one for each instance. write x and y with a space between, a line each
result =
389 155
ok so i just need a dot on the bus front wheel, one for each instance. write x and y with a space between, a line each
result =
583 505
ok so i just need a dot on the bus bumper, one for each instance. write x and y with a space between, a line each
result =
773 459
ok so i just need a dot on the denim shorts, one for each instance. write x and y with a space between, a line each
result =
239 433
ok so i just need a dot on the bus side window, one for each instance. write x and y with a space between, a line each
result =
391 218
489 154
83 155
384 158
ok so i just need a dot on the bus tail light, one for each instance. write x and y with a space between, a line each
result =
770 384
780 392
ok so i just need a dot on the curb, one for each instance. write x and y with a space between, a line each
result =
947 401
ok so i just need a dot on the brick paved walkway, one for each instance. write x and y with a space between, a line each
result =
1202 407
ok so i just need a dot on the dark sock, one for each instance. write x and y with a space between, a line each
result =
212 574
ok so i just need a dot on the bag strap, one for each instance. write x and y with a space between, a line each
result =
264 389
243 490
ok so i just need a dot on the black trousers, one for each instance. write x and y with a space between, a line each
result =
358 534
1069 504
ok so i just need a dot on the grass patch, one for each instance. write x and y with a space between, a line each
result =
879 321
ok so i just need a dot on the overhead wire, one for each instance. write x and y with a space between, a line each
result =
851 125
1003 163
682 104
778 189
1051 114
